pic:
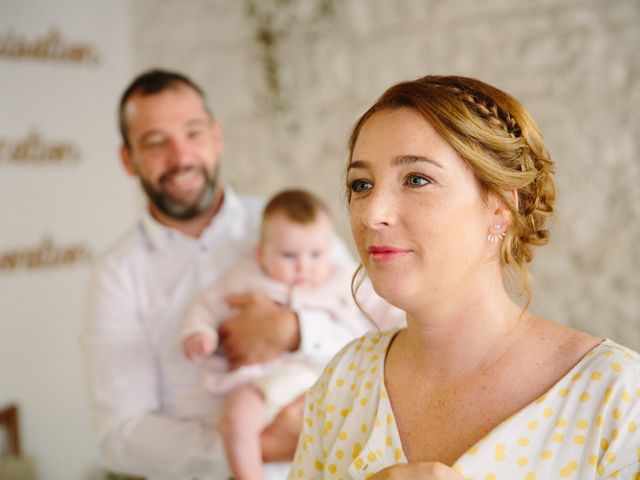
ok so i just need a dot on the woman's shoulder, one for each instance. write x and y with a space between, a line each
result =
363 355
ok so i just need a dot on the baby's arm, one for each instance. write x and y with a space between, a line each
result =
199 335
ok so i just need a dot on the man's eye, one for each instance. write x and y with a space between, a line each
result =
360 185
417 180
194 133
154 143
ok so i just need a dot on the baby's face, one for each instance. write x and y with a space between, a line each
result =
296 254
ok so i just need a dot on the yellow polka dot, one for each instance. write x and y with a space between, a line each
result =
398 454
368 385
300 473
530 476
532 425
608 394
491 476
327 428
357 448
352 367
360 372
332 468
585 396
343 435
523 442
373 370
557 437
604 444
542 398
358 463
522 461
617 413
577 376
547 412
626 396
608 353
363 401
582 424
600 469
564 392
614 433
546 455
611 457
344 412
377 423
561 423
309 422
388 441
374 358
363 428
319 465
500 452
616 367
371 457
596 376
632 427
592 459
339 454
579 440
599 421
565 472
389 419
331 408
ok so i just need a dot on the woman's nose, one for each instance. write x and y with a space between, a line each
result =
378 210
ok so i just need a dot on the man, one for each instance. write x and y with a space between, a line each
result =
151 415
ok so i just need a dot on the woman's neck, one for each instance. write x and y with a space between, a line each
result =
448 341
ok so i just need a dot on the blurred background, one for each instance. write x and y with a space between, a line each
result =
287 79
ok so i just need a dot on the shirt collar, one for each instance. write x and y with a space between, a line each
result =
160 236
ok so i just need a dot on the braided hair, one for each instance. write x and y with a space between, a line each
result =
493 133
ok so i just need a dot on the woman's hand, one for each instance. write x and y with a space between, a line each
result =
423 471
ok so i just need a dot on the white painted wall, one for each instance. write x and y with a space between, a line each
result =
80 202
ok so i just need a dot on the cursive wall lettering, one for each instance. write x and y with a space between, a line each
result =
52 46
34 150
48 254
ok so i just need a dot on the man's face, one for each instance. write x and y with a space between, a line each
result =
174 150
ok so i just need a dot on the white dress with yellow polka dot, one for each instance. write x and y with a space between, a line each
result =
585 427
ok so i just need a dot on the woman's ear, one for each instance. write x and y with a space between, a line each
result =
501 216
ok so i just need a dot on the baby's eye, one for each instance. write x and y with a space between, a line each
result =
289 255
316 253
360 185
417 180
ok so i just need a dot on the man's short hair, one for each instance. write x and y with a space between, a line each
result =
151 82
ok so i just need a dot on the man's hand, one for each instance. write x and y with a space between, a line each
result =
261 331
198 345
410 471
280 438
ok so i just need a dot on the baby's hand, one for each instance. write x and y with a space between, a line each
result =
198 345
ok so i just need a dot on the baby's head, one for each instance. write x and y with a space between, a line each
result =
296 237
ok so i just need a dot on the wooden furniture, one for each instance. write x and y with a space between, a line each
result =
9 421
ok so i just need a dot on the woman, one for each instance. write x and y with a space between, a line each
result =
450 189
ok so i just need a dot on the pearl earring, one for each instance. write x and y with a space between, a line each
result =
497 234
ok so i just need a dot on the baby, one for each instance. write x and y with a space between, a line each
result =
292 266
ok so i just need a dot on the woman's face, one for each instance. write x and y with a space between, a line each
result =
417 215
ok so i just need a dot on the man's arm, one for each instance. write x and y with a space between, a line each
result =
124 390
262 329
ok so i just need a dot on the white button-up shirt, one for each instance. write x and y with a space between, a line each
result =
151 415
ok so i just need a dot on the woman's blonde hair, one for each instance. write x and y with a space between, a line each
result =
502 145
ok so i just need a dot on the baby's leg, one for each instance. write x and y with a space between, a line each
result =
243 420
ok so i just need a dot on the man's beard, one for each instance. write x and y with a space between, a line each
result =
180 209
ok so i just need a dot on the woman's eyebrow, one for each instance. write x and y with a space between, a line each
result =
410 159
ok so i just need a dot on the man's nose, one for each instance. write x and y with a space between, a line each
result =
178 152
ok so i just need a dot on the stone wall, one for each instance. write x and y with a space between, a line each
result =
288 78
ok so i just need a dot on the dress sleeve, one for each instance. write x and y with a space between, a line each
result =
123 381
308 459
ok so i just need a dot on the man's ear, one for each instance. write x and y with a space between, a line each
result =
127 161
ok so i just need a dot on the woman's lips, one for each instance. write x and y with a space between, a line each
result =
385 253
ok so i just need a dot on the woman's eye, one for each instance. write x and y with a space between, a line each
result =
360 185
417 180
